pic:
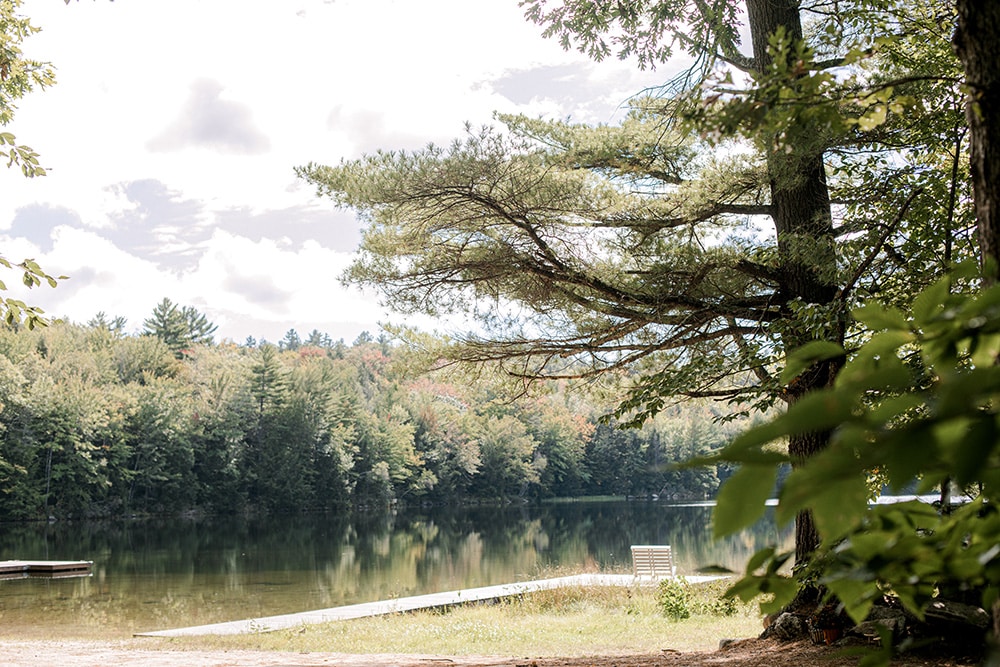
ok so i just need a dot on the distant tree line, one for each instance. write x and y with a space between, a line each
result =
97 422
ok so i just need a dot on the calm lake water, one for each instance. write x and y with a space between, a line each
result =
158 574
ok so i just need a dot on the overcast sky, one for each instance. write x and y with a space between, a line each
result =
174 126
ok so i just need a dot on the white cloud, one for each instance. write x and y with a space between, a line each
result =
208 120
263 289
208 106
246 287
102 277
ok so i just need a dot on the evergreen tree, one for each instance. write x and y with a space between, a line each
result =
266 439
169 325
115 325
292 341
199 329
630 249
318 339
179 328
269 383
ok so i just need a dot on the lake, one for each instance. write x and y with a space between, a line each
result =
156 574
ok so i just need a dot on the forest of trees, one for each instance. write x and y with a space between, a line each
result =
96 422
806 217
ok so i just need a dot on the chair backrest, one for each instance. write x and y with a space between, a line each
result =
652 560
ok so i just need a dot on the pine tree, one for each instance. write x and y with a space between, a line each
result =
179 328
583 250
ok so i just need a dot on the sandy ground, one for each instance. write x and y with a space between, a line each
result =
745 653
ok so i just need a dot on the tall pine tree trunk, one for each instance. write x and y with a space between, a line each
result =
976 43
803 224
977 47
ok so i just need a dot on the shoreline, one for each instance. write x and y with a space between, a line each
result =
740 653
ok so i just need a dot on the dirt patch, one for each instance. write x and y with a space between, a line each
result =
744 653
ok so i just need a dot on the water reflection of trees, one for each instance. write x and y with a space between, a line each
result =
159 573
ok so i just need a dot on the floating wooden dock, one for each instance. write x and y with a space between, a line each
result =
431 601
21 569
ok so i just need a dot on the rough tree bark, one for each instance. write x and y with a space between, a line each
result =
803 226
976 44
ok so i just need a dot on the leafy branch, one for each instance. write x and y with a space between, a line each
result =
16 310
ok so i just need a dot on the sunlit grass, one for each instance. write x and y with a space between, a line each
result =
570 621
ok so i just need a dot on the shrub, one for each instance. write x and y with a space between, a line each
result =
678 600
674 598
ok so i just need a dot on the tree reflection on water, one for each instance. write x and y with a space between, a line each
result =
159 573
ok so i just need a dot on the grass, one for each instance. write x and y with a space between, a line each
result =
563 622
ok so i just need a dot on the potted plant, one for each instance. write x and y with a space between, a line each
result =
827 624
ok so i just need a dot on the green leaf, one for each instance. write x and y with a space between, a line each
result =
973 451
871 370
747 447
742 498
930 302
866 546
832 485
873 118
886 343
969 392
803 357
784 590
908 453
990 596
758 559
985 349
817 411
893 407
840 508
746 589
856 595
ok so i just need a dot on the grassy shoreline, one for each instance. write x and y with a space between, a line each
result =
573 621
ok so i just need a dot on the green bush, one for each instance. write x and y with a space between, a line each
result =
678 600
715 606
674 598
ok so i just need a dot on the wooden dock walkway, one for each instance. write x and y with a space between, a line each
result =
21 569
430 601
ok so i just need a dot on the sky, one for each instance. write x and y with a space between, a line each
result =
174 126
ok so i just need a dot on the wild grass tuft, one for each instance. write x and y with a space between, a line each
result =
573 621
